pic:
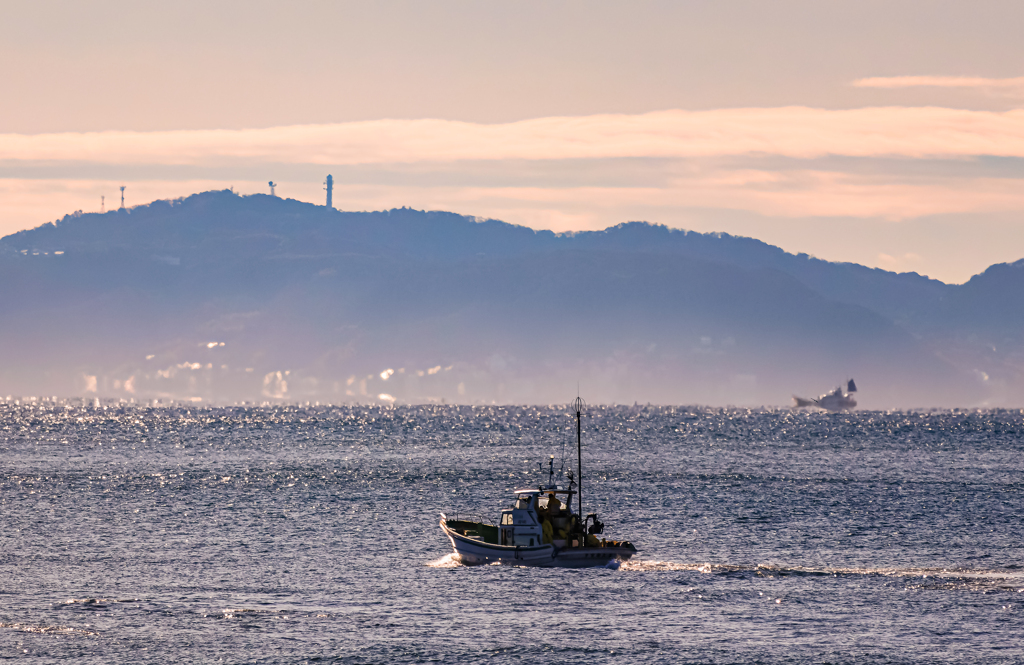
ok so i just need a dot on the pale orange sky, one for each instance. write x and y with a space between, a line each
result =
890 134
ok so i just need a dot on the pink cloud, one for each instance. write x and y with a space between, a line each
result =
789 131
903 263
939 82
783 195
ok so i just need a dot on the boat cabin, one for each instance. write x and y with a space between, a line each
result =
524 523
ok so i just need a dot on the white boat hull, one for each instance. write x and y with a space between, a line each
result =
473 551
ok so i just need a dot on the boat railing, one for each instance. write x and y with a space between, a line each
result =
468 517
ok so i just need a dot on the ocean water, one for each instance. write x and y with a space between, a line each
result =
298 535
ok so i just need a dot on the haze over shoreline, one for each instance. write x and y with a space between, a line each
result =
222 298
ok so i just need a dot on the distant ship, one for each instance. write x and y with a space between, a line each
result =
837 400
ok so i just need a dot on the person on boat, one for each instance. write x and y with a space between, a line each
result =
554 505
559 516
545 511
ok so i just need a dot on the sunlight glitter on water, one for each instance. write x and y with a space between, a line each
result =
323 544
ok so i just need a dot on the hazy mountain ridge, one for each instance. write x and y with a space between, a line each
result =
316 304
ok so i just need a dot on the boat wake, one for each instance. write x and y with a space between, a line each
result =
447 561
921 577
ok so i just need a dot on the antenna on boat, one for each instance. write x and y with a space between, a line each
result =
578 405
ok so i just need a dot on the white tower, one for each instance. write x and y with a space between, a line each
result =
272 186
330 190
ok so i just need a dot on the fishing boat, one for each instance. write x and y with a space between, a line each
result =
540 529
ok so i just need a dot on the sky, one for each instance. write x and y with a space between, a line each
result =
886 133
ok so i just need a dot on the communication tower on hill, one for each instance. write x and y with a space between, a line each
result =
122 197
272 186
103 204
330 190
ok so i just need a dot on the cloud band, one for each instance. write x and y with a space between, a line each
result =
798 132
893 82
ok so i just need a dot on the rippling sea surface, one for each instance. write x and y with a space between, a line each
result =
290 535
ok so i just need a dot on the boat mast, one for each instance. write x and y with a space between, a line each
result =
578 406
